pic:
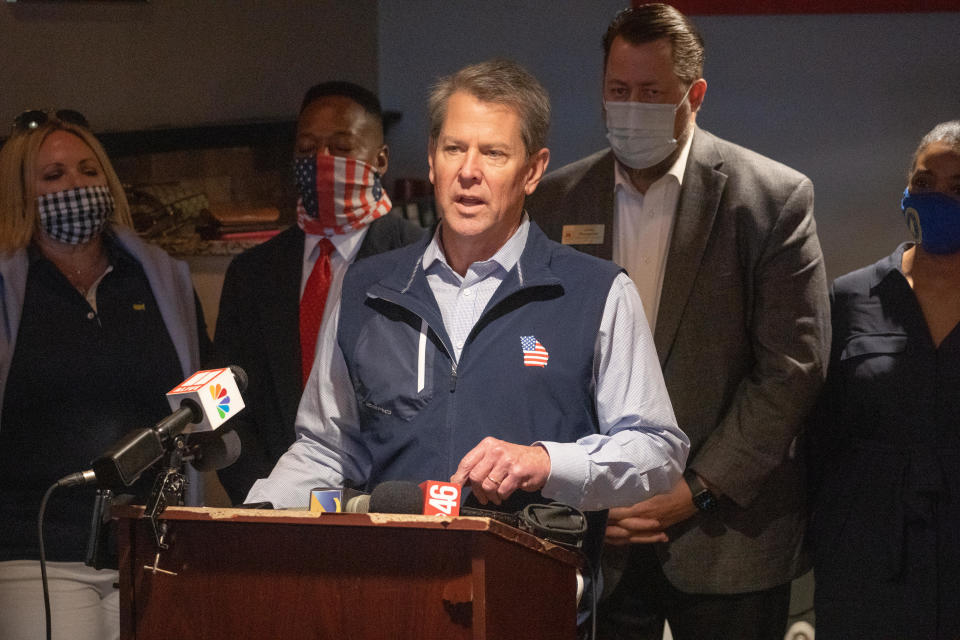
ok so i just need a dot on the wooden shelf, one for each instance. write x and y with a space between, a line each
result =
255 133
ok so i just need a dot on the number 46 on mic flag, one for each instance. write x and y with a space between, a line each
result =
440 498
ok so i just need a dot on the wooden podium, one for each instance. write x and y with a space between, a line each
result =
245 574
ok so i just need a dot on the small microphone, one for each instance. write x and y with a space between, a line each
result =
334 500
240 376
206 399
212 397
358 504
396 496
189 412
431 497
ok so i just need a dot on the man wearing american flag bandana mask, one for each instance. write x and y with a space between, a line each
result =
270 308
338 195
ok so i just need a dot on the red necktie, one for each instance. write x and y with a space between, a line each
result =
312 301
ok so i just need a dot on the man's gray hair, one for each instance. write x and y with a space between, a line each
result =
948 132
498 81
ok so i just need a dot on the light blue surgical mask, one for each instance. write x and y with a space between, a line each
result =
934 220
641 133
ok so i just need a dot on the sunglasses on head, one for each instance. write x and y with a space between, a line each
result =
30 120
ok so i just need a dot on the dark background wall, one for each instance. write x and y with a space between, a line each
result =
842 97
131 65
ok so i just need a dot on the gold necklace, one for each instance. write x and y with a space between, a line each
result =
77 274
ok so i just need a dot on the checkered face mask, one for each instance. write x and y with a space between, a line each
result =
76 215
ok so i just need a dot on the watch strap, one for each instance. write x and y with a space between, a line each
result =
703 498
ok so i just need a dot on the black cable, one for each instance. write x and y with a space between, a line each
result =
43 556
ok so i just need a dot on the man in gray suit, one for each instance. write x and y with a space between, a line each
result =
722 245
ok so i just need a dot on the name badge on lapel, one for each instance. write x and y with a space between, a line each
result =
582 234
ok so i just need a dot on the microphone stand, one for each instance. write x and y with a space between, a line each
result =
167 488
122 465
169 485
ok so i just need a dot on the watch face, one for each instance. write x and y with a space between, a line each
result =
705 500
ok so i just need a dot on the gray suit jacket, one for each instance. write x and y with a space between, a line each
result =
743 336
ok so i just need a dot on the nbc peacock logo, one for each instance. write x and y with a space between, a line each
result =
221 398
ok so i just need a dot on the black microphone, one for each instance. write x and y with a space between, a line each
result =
240 376
136 452
430 497
396 496
190 412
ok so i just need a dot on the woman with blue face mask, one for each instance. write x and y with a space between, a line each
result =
95 327
886 436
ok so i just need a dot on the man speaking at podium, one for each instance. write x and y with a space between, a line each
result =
486 353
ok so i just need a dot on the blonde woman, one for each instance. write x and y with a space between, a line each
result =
95 327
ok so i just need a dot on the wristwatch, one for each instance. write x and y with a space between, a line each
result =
703 498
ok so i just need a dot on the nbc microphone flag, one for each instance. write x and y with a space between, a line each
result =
215 391
534 355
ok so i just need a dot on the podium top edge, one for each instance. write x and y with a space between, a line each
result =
305 517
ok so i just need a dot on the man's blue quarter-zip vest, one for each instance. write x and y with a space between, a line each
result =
554 294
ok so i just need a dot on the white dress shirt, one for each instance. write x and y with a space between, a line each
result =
642 226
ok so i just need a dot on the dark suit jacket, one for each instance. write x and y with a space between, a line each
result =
743 337
258 329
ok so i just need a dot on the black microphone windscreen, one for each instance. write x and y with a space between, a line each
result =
215 449
240 376
396 496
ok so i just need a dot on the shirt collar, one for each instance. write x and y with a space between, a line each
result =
345 244
893 263
621 179
507 256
